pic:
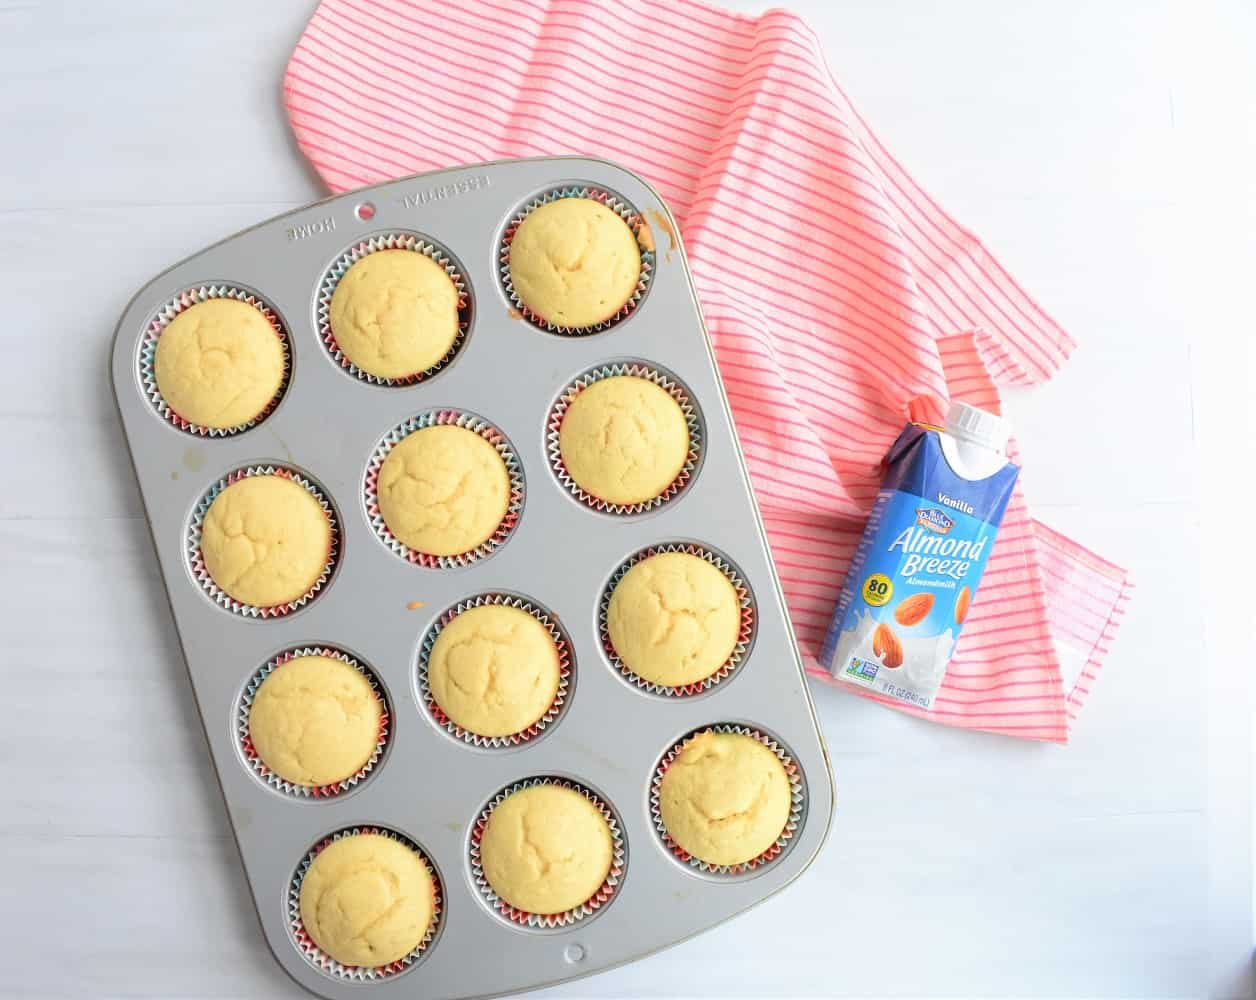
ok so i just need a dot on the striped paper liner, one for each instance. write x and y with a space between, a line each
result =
445 418
323 962
196 558
665 381
166 315
565 666
620 207
797 808
745 634
259 766
550 921
393 240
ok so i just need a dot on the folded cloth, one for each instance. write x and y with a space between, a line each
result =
840 298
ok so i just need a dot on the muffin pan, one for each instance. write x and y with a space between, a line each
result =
507 375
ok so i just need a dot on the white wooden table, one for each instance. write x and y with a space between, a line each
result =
1100 149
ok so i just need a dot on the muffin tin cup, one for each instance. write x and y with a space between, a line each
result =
281 784
166 315
394 240
565 669
665 381
550 921
620 207
196 558
797 804
745 631
323 962
445 418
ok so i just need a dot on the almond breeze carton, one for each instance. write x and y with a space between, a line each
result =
917 567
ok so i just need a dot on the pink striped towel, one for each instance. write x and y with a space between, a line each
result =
840 297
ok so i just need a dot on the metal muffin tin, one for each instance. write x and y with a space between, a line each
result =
429 786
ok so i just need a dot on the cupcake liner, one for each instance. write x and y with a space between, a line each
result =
798 800
259 767
165 316
549 921
561 643
616 204
323 962
669 384
399 240
745 633
438 418
196 558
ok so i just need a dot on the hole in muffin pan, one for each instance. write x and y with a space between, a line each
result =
781 846
249 756
747 630
622 207
194 560
146 353
514 741
364 211
593 907
324 963
444 417
657 375
392 239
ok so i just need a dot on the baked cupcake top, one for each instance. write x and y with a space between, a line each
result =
725 798
394 313
367 900
546 849
494 670
624 439
574 262
674 619
265 540
219 363
315 720
443 490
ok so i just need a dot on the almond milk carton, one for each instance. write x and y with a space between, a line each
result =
918 565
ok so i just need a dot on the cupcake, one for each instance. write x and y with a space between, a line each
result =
494 670
624 439
315 721
367 900
443 490
574 262
394 313
265 541
219 363
546 849
674 619
725 798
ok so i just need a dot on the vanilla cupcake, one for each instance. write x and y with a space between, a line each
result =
219 363
265 540
494 670
624 439
443 490
574 262
315 721
394 313
725 798
367 900
674 619
546 849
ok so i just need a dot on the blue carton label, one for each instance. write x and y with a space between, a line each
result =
915 572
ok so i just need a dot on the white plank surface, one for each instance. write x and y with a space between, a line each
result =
1103 150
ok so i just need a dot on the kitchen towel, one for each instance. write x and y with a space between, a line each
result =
841 299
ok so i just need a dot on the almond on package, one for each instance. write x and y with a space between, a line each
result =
886 645
914 609
961 605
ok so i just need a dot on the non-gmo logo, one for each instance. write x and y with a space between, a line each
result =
933 519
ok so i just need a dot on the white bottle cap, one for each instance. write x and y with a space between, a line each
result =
980 427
